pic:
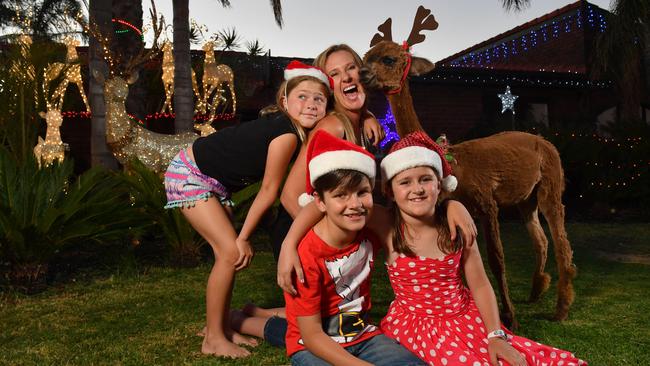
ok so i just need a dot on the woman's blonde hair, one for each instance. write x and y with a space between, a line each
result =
400 230
319 61
283 91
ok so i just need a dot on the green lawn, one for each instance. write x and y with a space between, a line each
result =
151 316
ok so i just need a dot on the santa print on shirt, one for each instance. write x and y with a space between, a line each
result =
336 281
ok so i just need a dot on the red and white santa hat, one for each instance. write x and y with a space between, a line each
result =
327 153
417 149
297 68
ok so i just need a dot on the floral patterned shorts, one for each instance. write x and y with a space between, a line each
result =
185 184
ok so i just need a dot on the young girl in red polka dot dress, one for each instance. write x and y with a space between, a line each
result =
434 314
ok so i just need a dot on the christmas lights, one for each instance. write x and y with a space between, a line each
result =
508 100
530 39
52 148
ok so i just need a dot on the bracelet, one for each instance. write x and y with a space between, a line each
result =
498 333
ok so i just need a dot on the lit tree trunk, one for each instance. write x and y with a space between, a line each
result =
128 45
99 14
183 93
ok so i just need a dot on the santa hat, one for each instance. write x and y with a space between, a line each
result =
327 153
297 68
417 149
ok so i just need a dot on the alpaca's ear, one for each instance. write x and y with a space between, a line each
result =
420 66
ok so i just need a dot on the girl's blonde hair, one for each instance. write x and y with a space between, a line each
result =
283 91
400 231
319 61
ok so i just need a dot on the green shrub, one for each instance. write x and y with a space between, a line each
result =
44 211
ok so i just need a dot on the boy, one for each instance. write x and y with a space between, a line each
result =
327 321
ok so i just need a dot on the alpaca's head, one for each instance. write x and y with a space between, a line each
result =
387 64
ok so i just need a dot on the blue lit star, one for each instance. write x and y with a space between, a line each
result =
508 100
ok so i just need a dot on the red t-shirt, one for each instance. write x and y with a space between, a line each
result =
336 281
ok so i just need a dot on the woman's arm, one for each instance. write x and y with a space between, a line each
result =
321 345
294 185
372 128
486 302
288 262
279 154
458 216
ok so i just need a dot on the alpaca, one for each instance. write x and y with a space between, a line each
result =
213 76
506 169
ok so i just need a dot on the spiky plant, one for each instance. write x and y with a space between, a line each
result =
45 211
254 48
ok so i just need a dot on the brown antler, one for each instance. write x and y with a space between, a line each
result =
423 21
385 29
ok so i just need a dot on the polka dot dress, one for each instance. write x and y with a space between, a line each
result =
434 316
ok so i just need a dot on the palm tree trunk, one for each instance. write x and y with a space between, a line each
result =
646 62
183 93
100 14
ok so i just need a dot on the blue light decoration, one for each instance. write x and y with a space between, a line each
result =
530 39
388 124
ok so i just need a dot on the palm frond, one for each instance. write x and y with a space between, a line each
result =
516 5
277 12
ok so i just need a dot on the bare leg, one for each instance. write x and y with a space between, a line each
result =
211 221
253 310
252 325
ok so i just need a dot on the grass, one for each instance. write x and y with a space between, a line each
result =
150 316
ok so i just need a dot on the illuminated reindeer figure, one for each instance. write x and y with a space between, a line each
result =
506 169
71 73
213 76
52 148
126 138
168 76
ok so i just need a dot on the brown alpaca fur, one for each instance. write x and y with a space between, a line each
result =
507 169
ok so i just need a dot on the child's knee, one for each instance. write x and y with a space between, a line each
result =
228 255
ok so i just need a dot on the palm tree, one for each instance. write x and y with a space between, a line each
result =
100 14
183 93
46 19
230 39
624 52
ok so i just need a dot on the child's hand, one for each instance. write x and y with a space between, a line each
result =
287 263
500 349
373 130
245 253
457 215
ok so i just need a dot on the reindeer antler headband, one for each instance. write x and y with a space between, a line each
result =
423 20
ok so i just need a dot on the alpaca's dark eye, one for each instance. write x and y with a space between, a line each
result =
388 61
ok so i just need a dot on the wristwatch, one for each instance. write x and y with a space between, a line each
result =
498 333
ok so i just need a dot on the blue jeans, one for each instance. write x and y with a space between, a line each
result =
378 350
275 330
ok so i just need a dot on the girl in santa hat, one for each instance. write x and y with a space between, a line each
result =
200 179
435 314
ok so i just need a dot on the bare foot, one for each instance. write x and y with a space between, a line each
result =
241 340
223 348
202 332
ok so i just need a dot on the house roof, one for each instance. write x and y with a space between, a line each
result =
556 42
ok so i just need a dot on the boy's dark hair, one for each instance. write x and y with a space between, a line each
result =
344 178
